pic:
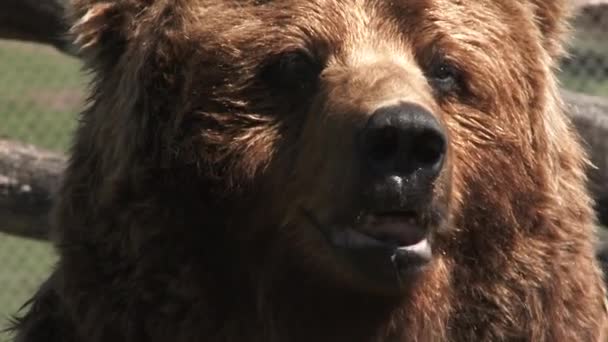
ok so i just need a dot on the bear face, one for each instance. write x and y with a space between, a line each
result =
353 170
364 126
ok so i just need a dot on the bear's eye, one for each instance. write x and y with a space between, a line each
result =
444 78
291 71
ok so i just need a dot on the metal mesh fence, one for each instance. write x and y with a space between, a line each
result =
41 90
586 68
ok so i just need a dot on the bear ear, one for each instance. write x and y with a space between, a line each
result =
103 25
551 17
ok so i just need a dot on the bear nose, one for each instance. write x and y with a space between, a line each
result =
403 139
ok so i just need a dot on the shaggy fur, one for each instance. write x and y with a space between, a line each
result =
180 218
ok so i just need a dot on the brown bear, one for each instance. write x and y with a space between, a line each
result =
318 170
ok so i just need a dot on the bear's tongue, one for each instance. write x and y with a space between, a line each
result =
398 229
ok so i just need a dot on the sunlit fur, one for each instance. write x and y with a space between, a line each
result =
181 215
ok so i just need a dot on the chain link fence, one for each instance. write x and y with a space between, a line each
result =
42 90
586 68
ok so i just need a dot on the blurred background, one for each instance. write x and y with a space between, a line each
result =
42 90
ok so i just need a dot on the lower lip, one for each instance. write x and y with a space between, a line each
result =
350 238
401 255
388 269
421 247
418 254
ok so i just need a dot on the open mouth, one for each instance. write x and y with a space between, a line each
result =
397 230
387 248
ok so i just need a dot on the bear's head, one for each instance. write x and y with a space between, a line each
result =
373 142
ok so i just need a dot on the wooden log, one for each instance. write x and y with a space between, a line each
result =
590 116
41 21
29 177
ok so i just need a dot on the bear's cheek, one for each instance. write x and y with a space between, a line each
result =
311 169
489 154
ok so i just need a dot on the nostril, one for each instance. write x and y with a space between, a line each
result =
428 148
402 140
383 143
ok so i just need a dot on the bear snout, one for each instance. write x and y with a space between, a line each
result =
403 140
402 150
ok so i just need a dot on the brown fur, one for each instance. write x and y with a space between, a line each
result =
180 217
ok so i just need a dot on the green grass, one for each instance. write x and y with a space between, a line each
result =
41 91
25 264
